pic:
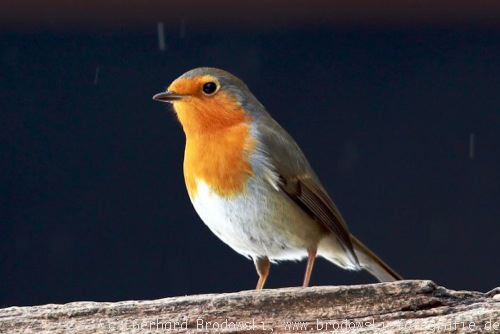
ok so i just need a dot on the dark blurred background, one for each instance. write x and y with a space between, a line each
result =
396 106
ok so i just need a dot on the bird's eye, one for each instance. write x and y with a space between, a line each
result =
209 88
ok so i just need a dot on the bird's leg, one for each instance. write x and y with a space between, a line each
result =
311 256
262 265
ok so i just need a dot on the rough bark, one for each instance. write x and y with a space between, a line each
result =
400 307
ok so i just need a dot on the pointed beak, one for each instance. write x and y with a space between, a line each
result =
167 97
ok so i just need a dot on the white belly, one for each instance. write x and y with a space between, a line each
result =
262 222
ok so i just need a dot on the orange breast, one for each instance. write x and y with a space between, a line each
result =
220 159
218 141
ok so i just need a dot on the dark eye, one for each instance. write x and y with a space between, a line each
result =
209 88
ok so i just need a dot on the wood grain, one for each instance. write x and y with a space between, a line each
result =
399 307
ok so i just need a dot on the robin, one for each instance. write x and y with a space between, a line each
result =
251 184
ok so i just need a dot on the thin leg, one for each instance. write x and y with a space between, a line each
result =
311 256
262 265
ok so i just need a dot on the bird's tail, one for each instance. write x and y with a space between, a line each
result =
373 264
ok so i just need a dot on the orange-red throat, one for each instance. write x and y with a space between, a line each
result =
218 138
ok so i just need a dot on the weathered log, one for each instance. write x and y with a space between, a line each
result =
402 307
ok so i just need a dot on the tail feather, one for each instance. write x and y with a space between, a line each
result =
373 264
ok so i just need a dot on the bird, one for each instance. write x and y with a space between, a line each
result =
252 185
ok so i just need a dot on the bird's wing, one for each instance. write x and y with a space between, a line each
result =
299 182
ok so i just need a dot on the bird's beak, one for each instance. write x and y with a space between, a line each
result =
167 97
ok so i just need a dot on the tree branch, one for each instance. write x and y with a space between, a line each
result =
404 306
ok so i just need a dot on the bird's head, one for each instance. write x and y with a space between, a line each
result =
207 99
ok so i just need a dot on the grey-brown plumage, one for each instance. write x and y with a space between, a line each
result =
299 182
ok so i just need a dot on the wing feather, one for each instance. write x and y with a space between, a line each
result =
313 200
298 181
